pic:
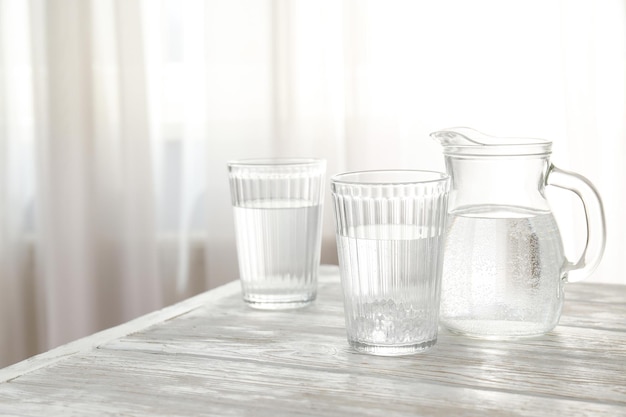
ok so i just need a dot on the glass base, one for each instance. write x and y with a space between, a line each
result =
391 350
282 302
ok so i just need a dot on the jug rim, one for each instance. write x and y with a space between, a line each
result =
456 141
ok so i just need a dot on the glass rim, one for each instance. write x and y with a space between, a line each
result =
273 162
421 177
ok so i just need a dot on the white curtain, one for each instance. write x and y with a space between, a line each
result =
117 118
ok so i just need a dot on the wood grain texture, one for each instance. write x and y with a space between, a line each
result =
212 355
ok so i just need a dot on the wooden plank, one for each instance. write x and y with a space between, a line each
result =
594 293
135 384
594 315
545 365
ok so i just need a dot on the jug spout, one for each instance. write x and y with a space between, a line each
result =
461 136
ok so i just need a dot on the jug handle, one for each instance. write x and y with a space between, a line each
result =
594 216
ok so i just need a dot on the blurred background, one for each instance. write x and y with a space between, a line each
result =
117 118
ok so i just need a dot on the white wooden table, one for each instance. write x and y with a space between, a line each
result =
212 355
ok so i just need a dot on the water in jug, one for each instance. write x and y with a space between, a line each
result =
504 266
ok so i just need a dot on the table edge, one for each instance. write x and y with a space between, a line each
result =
93 341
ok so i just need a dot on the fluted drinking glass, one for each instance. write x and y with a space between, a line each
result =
390 230
277 207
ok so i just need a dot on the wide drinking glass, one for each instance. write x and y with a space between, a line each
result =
277 207
390 230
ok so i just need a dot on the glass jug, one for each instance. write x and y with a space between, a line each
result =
504 267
